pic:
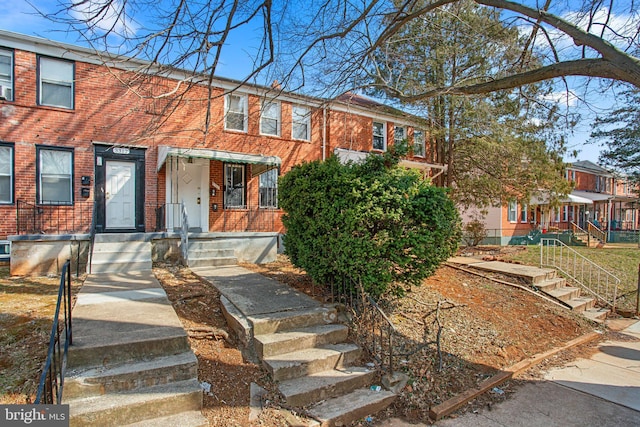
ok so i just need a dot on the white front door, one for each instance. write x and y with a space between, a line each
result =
120 195
190 190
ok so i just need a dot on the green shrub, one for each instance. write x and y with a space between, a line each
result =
373 223
474 232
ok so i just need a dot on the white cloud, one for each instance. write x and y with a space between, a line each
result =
566 97
104 16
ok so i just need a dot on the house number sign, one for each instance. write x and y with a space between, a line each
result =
120 150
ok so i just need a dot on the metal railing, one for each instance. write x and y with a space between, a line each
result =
92 238
52 378
580 270
374 330
167 216
250 218
596 232
184 234
53 219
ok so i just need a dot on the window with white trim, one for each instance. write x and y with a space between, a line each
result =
235 112
234 194
379 137
565 213
512 212
418 143
301 123
268 193
6 74
270 118
556 215
399 135
55 82
6 173
523 212
54 175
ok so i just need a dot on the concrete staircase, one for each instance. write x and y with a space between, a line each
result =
546 280
130 363
117 252
314 367
210 253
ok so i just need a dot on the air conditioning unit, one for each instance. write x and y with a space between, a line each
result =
5 92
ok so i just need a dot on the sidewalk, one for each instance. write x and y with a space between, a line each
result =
603 390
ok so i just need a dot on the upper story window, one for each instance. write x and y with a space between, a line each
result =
269 189
54 174
55 82
6 74
379 137
399 135
571 175
301 123
6 173
235 109
270 118
512 212
418 143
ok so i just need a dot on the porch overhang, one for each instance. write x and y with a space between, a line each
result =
572 199
346 155
264 163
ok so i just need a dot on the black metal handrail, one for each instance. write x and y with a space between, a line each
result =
52 218
52 378
375 330
92 236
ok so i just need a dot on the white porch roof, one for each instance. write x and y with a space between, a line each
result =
572 198
346 155
269 162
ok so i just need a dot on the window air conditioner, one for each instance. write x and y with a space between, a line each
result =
5 92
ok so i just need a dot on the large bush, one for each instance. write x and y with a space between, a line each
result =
373 223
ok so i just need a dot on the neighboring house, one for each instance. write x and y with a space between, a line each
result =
607 201
82 152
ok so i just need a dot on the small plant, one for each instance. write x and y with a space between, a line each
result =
474 232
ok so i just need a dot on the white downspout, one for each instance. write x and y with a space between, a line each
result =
324 132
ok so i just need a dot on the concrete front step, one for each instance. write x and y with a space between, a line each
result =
137 405
551 284
121 256
533 275
581 304
184 419
309 361
268 345
346 409
103 380
597 315
565 294
324 385
293 319
212 261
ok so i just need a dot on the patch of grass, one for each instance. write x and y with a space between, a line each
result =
28 305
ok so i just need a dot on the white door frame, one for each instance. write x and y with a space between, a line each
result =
175 195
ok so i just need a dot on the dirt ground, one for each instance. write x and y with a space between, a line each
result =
486 326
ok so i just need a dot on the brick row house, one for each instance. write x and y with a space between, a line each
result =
82 152
605 203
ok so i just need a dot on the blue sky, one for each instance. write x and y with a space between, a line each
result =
19 16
